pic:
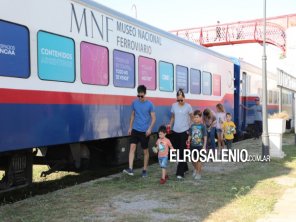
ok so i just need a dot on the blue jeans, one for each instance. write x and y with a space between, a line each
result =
163 161
211 135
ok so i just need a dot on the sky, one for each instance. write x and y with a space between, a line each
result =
177 14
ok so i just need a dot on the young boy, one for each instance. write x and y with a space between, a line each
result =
228 130
198 140
163 145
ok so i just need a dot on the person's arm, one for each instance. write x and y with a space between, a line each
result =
244 107
214 120
205 137
131 122
172 120
191 116
153 120
171 146
189 139
205 142
234 132
190 112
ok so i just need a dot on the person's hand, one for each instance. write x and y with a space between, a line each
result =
148 132
129 131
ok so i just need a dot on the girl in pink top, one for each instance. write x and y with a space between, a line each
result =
163 145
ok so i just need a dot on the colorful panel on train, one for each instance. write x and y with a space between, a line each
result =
206 83
195 81
123 69
147 72
56 57
166 77
216 85
14 50
94 64
182 78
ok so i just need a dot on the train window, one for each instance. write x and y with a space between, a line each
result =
216 85
123 69
14 50
166 76
56 57
285 98
269 96
289 98
182 78
195 81
275 97
94 64
206 83
147 72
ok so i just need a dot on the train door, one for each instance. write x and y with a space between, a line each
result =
243 87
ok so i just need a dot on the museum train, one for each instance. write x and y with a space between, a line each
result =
69 71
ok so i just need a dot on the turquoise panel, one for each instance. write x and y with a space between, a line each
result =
166 77
56 57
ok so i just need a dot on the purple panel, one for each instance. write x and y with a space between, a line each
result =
182 78
123 69
94 64
195 77
147 72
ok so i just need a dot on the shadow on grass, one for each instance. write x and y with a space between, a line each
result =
65 179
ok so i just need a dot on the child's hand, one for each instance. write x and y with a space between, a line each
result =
154 149
188 144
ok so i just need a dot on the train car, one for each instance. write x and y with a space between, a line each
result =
69 72
250 86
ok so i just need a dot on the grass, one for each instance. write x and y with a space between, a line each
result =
245 193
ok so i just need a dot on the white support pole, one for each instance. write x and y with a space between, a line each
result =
265 138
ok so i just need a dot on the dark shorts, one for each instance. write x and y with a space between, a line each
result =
197 149
141 137
218 131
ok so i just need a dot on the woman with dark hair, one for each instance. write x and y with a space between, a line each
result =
209 119
182 114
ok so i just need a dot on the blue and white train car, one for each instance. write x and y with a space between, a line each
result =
69 72
250 86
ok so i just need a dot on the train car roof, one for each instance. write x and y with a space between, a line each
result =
96 5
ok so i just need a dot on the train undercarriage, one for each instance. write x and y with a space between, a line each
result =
17 165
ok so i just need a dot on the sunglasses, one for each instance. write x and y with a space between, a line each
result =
180 100
140 96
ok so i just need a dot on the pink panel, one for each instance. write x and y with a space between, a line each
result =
147 72
216 85
94 64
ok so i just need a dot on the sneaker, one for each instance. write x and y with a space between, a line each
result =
166 177
197 177
144 173
162 181
128 171
180 177
194 173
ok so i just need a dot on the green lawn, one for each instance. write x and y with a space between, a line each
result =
245 193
